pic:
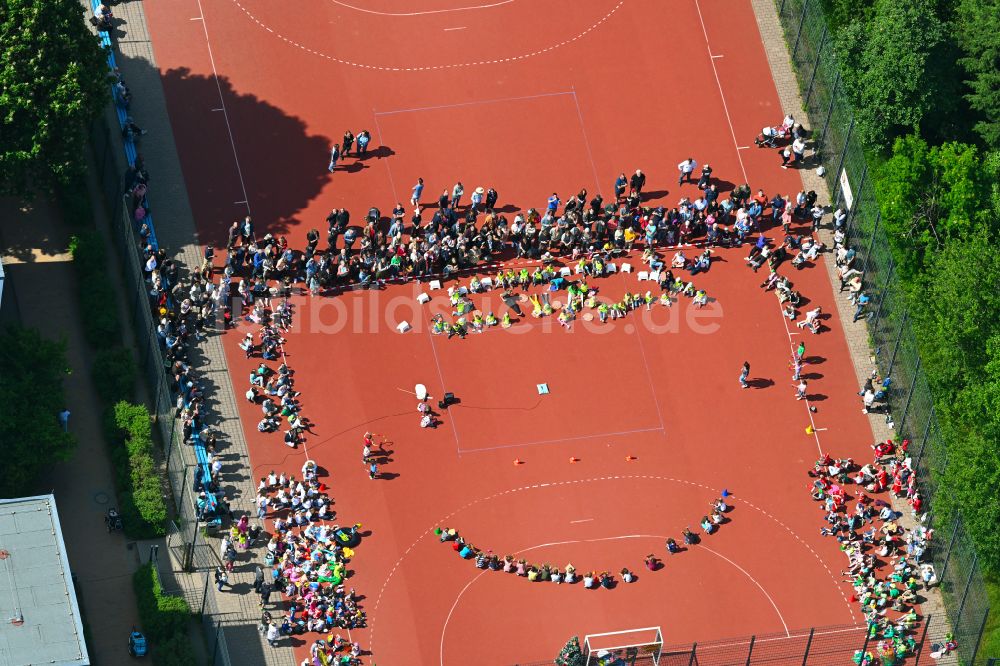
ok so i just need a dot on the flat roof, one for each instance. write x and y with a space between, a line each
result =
39 614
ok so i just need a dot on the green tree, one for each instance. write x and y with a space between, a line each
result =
32 369
977 30
930 195
53 83
571 654
892 69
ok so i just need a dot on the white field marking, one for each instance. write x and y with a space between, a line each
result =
423 13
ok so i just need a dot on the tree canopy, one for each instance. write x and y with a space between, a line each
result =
32 369
977 29
892 71
53 83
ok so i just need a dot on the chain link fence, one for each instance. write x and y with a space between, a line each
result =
910 408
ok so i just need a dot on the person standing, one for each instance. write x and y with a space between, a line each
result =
418 189
334 156
456 194
637 182
706 176
686 168
491 199
258 579
863 300
272 634
348 142
800 390
221 578
553 204
800 351
796 369
620 184
64 417
744 373
265 594
477 198
363 139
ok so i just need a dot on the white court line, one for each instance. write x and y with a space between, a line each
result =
462 27
718 56
582 520
742 147
722 95
701 546
437 363
423 13
586 141
198 18
812 423
222 102
388 169
218 109
474 103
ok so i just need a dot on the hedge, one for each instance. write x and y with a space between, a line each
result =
164 618
140 489
114 374
98 299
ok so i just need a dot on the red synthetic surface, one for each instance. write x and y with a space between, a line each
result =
637 89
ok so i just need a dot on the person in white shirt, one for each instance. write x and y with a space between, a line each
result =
686 168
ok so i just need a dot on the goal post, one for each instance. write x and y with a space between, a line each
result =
631 647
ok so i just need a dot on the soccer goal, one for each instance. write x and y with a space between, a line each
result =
632 647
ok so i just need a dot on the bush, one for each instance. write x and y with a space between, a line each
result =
98 299
114 374
164 619
140 489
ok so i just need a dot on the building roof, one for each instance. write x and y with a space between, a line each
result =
39 615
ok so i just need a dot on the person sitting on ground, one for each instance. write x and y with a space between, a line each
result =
606 580
651 562
627 575
588 580
569 573
707 525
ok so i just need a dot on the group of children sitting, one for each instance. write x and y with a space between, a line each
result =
579 294
547 573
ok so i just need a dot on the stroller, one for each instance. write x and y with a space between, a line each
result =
770 136
137 646
113 520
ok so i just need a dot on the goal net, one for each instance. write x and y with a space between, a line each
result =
632 647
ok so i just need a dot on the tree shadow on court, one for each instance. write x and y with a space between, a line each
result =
277 165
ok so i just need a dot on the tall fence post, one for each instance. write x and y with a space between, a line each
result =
927 434
968 584
753 639
694 652
812 79
853 213
829 114
909 396
951 544
871 241
805 657
885 291
895 349
843 154
798 34
979 637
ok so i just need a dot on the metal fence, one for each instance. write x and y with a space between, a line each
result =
820 646
911 405
184 540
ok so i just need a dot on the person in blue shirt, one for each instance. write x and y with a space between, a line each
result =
620 184
863 300
553 203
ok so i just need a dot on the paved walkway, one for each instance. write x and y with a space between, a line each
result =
856 333
236 611
41 291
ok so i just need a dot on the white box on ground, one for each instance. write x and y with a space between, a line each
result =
423 298
564 271
612 268
626 268
642 275
435 284
403 326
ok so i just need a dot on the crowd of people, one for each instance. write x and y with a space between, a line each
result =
885 561
308 558
488 560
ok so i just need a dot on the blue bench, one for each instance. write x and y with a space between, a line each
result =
130 149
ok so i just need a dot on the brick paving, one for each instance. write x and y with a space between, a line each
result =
856 333
236 610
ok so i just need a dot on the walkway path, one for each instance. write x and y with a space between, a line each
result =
42 290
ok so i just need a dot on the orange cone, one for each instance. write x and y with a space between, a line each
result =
630 458
574 459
